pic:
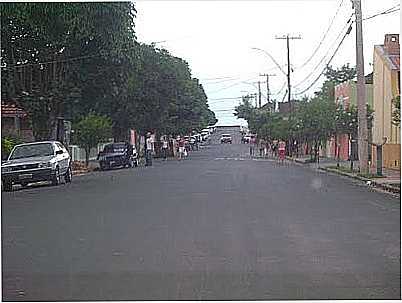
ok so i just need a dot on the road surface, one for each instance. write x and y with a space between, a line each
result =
216 226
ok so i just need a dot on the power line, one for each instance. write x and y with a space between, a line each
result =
237 83
228 98
217 78
256 87
324 36
326 54
281 89
284 96
388 11
326 66
223 110
221 81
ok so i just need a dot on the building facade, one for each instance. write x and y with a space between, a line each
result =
346 96
15 122
386 81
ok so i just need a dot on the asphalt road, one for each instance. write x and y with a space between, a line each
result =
216 226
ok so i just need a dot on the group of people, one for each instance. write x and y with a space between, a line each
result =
179 147
276 148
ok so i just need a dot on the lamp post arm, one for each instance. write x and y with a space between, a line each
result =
272 58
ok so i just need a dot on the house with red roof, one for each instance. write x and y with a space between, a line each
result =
15 122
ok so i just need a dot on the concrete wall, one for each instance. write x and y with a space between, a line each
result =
391 156
78 154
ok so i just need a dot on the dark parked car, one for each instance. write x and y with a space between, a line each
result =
118 155
35 162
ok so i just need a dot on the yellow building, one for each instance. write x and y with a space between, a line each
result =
386 86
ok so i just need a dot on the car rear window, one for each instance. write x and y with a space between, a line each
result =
114 148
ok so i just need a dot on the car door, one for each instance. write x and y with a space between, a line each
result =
63 159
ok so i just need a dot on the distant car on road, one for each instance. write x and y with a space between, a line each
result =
119 154
247 138
36 162
226 138
205 134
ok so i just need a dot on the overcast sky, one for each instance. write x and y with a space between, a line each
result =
216 39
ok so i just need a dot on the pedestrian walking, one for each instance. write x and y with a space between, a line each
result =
275 148
252 145
148 150
266 149
181 145
282 150
165 146
261 147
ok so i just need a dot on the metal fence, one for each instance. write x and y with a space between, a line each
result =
78 153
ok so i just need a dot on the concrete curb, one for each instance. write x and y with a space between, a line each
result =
307 161
386 187
80 172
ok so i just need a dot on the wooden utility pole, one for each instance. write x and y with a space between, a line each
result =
287 37
268 91
361 92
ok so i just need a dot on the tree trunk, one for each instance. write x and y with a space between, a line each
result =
337 149
87 151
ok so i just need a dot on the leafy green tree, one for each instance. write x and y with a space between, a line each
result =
90 131
68 59
79 43
7 144
333 78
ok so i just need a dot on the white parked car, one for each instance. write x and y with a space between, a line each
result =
35 162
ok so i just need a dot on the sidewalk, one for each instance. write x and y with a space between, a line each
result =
391 179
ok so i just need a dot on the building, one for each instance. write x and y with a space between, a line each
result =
288 107
386 80
346 96
15 122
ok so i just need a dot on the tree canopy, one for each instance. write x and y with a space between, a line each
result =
68 59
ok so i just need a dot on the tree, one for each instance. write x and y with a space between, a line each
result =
68 59
7 144
333 78
92 130
59 57
316 121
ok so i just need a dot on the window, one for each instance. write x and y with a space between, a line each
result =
32 150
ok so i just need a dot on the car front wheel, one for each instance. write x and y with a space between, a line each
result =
56 177
8 186
68 177
130 163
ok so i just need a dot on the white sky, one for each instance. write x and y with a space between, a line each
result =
216 37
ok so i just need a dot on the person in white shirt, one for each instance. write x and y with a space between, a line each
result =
165 145
148 150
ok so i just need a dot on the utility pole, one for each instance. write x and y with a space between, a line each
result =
361 92
259 94
268 92
287 37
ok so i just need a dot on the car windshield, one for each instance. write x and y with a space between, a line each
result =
32 150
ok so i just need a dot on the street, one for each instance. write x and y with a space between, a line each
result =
216 226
